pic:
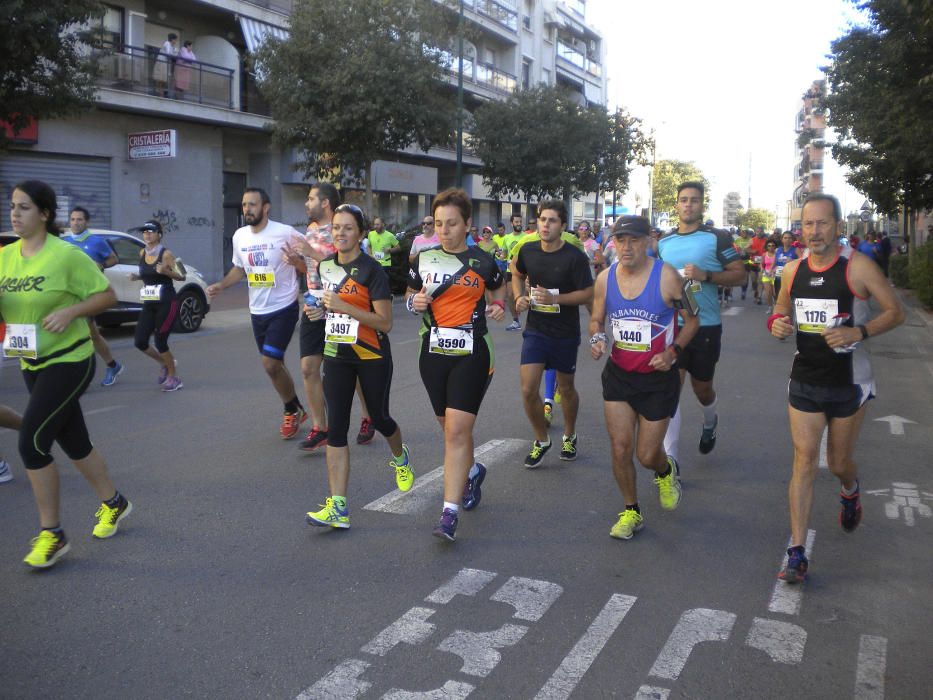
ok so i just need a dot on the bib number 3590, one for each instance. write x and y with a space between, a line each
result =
451 341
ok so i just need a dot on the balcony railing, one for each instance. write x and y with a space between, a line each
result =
500 11
495 78
578 59
286 7
135 69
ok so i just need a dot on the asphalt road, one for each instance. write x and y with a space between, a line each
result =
215 586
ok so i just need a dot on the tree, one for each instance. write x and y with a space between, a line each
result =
753 218
623 144
881 105
46 67
359 80
666 177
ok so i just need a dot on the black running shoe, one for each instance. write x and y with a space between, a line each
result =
708 438
316 438
472 493
850 515
537 454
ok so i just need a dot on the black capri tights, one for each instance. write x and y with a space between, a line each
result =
375 377
53 413
156 319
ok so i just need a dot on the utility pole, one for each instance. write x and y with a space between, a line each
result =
460 99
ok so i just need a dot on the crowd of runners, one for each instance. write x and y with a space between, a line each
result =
653 306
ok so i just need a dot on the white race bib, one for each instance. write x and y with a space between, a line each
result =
262 277
20 341
341 328
546 308
451 341
379 255
778 271
756 259
813 315
151 292
632 334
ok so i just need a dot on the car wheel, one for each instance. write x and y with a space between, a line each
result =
191 311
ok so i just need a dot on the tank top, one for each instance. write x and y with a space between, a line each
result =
151 278
819 296
640 328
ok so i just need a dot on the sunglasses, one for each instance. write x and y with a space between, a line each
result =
427 223
352 208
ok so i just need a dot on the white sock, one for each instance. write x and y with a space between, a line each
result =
850 492
544 444
455 507
474 470
672 436
709 413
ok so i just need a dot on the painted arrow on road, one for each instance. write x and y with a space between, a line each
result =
895 423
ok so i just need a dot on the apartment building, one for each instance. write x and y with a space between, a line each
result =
810 147
182 151
731 206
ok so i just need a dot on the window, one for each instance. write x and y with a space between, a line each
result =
108 34
489 56
546 76
526 75
127 249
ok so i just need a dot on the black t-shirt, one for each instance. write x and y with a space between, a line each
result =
566 270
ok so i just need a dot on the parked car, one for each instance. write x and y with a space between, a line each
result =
192 292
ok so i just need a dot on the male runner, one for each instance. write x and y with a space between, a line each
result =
382 243
558 283
426 239
259 258
508 246
100 252
709 259
824 298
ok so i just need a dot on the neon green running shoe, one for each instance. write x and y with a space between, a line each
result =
548 413
669 486
404 475
330 516
108 519
47 549
629 522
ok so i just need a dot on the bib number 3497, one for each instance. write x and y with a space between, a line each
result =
341 328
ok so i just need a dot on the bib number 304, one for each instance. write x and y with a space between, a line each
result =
20 341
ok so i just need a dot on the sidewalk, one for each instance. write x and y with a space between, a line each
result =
910 302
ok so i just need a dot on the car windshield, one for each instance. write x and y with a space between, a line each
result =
127 249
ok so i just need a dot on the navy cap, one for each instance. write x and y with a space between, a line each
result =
631 226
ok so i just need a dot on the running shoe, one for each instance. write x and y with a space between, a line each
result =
291 423
548 412
172 384
537 454
795 570
708 438
446 527
472 493
6 474
629 522
404 476
314 439
568 448
47 549
850 515
515 325
108 519
557 396
111 374
330 515
669 489
367 432
163 373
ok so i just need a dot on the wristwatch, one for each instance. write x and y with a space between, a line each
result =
709 276
864 330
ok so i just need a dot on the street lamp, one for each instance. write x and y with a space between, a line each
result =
460 99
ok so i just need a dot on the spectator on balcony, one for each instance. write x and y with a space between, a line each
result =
183 69
162 71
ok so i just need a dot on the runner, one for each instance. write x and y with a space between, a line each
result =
160 307
767 273
742 244
511 240
783 255
592 249
487 244
450 285
48 288
831 380
11 420
259 258
558 283
356 351
640 295
382 243
756 250
101 253
709 259
426 239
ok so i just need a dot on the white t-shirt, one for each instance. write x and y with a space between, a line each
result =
273 283
420 242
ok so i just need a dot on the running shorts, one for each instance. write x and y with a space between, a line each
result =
274 331
834 401
653 396
700 356
457 382
553 353
310 337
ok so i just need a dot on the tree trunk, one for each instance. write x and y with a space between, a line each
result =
368 181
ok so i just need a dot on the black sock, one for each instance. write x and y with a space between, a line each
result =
115 501
293 406
799 548
666 472
633 507
57 530
112 364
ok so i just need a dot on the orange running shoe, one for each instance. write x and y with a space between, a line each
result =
291 423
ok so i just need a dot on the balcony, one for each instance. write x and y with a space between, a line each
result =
495 78
499 11
285 7
578 59
132 69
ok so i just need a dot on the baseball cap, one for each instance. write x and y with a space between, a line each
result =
631 226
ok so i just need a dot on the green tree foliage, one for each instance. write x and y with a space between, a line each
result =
46 66
881 104
622 143
358 80
753 218
666 176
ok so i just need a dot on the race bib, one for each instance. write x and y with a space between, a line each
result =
451 341
261 277
695 286
341 328
20 341
632 334
813 315
151 292
778 270
756 259
380 255
546 308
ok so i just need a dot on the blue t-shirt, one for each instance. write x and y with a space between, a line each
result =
96 247
707 249
869 249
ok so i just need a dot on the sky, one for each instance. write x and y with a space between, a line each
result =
720 82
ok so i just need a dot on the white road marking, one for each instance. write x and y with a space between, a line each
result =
895 423
428 488
340 684
466 582
578 661
695 626
105 409
732 311
479 650
451 690
410 628
786 598
824 463
869 669
530 598
406 342
782 641
651 692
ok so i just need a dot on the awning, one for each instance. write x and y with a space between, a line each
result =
256 32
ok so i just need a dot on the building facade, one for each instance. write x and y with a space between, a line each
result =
810 147
731 205
179 142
